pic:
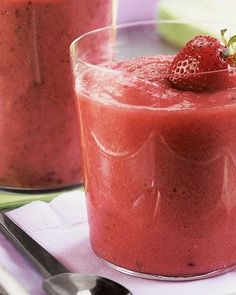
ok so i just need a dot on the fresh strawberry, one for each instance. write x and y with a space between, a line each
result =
198 66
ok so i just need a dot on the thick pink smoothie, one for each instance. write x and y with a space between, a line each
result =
160 170
39 138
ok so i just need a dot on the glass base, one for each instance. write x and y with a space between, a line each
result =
170 278
40 190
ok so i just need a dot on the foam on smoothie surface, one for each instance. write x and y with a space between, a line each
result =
142 81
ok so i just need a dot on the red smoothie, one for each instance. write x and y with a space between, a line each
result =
160 170
39 141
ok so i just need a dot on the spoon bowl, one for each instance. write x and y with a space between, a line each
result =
82 284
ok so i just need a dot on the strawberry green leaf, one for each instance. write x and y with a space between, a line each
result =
231 41
223 36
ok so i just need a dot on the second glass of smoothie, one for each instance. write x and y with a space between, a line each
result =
159 163
39 138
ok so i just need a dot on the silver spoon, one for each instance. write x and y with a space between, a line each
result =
59 281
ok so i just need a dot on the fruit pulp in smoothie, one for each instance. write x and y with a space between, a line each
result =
160 170
39 141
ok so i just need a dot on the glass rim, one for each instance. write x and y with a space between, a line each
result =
139 23
168 109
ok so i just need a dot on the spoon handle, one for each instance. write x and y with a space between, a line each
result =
43 260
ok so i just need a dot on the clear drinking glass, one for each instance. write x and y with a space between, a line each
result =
160 163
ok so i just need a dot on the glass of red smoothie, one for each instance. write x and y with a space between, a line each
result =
159 163
39 137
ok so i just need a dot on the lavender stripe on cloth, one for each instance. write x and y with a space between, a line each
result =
61 227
